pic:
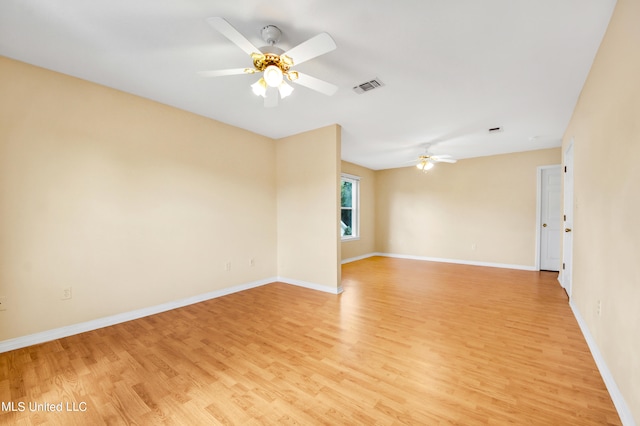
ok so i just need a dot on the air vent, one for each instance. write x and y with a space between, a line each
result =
495 129
368 86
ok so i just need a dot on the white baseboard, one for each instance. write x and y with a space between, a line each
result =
70 330
459 261
364 256
312 286
616 396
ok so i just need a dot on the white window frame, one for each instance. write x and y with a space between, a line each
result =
355 206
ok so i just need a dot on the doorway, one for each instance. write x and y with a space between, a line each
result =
550 191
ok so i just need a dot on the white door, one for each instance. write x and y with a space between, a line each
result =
550 219
567 241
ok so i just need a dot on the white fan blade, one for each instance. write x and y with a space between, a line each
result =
315 84
271 100
314 47
219 73
225 28
443 160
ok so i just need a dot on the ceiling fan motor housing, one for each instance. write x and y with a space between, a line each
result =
262 61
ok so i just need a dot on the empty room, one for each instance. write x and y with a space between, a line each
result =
319 212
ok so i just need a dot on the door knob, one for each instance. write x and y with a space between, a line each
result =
544 225
567 229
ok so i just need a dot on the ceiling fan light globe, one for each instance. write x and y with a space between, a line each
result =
285 90
424 165
259 88
273 76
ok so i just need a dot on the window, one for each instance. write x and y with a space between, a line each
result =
350 207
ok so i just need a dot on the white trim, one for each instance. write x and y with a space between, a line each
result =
459 261
364 256
616 396
348 176
563 271
309 285
70 330
538 214
355 207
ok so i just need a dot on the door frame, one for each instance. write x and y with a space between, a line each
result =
567 197
539 210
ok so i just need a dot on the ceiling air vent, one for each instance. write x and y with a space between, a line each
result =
368 86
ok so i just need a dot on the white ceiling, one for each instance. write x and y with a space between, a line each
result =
452 69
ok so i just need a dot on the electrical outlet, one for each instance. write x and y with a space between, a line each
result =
474 246
227 267
3 303
66 293
252 262
599 308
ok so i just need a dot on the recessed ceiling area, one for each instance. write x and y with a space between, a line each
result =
451 70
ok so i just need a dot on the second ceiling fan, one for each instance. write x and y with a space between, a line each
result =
274 63
427 160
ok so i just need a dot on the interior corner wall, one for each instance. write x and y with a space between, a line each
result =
605 129
128 202
365 244
308 182
479 210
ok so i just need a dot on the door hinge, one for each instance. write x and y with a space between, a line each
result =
565 169
563 266
565 217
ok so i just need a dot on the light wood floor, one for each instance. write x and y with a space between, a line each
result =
408 342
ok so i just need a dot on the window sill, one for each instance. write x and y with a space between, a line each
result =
345 239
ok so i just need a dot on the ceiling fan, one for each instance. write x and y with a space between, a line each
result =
274 63
427 161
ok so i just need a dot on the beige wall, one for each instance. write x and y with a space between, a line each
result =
133 204
366 243
308 181
486 201
605 128
129 202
